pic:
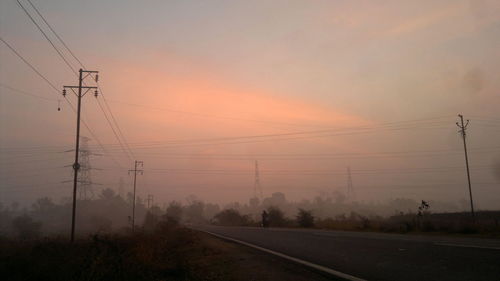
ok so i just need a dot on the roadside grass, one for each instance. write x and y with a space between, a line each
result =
170 252
486 224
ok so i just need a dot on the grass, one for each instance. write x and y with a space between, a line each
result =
169 253
487 224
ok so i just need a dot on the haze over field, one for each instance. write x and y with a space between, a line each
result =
200 90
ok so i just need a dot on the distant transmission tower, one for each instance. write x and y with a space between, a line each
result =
121 189
150 200
257 189
351 196
84 178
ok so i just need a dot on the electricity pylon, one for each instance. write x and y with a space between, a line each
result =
257 189
85 179
81 91
150 200
351 196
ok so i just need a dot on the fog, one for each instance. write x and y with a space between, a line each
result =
307 92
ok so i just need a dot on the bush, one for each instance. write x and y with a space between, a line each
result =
26 227
174 212
305 218
276 217
231 217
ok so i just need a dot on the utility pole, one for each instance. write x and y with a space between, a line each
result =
462 131
135 171
82 90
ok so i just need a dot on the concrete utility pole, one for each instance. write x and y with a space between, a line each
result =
135 171
462 131
76 166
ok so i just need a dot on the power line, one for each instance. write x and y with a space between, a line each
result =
83 66
57 91
318 133
113 130
47 38
25 93
29 64
114 120
55 33
53 45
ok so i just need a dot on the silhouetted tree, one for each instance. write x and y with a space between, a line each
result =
26 228
276 217
305 218
43 205
150 222
194 212
231 217
174 211
107 194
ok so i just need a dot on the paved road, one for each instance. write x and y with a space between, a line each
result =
379 256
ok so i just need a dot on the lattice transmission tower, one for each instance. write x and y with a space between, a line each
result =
351 195
257 188
85 190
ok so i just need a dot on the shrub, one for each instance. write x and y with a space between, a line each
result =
305 218
276 217
174 212
26 227
231 217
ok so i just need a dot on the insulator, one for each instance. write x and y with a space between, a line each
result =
97 77
96 93
64 92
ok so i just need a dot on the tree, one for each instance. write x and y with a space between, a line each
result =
174 212
107 194
231 217
26 227
305 218
150 222
194 212
100 223
211 210
276 217
43 205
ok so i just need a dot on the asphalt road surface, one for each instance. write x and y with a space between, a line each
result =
379 256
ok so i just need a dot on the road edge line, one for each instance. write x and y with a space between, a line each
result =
465 246
297 260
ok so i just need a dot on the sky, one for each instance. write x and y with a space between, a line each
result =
200 90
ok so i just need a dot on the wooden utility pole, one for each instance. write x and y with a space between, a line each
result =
135 171
462 132
76 166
